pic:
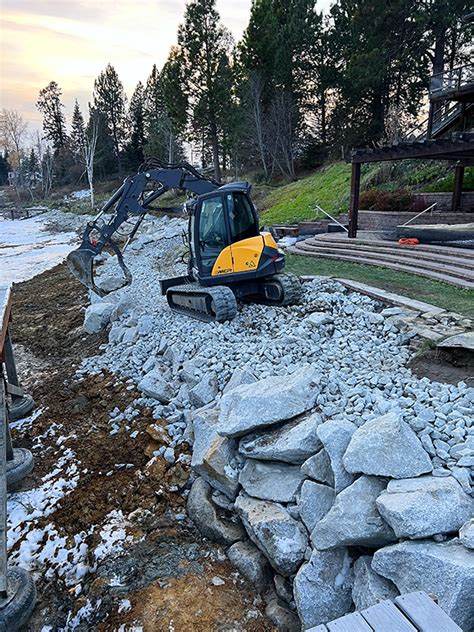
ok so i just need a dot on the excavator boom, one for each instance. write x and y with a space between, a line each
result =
131 200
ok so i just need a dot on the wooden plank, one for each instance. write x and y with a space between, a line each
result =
5 315
349 623
385 617
425 614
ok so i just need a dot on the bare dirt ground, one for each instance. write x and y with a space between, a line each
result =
450 366
163 580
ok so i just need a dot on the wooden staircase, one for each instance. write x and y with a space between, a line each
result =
442 263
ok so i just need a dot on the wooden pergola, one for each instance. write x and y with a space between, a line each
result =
458 149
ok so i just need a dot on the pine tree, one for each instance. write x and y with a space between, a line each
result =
77 132
136 118
54 122
110 100
203 41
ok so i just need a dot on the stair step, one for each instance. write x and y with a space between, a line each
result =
423 259
432 274
453 271
464 253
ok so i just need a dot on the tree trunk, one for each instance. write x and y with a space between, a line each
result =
215 152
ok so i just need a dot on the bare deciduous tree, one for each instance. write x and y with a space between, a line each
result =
12 134
89 150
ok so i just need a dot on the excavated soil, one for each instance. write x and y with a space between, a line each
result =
164 578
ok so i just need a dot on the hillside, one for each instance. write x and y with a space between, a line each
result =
329 187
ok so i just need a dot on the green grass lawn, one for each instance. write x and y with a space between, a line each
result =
294 202
411 285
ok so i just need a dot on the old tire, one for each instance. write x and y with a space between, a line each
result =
17 608
19 467
20 408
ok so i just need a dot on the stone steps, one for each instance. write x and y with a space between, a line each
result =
458 271
457 266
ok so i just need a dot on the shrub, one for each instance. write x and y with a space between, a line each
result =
398 200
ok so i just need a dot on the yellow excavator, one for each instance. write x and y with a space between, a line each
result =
230 259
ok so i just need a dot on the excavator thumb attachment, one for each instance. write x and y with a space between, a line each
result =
81 264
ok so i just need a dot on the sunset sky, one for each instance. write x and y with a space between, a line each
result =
71 41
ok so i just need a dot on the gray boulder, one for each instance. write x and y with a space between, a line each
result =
316 319
386 446
443 569
314 502
424 506
204 514
293 442
240 376
156 386
353 519
204 392
271 480
267 402
97 316
466 534
369 587
252 564
270 527
322 587
215 457
283 618
335 436
318 467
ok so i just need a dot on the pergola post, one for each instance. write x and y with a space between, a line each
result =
457 191
354 202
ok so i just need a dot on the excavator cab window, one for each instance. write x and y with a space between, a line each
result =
242 219
213 236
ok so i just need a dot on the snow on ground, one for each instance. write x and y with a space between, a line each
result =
29 247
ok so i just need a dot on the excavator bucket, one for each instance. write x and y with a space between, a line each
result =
81 264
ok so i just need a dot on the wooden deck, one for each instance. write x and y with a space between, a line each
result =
414 612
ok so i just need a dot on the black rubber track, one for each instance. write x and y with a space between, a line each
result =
221 302
15 614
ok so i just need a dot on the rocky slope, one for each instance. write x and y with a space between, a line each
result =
335 477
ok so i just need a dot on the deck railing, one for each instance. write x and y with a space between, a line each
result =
452 80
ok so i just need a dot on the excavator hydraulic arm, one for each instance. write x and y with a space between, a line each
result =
131 201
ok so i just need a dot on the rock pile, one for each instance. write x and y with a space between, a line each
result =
335 477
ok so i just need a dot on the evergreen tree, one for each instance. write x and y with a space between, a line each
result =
110 100
77 132
136 118
203 42
54 122
5 167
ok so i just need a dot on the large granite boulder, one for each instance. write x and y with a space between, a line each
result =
353 519
314 502
443 569
335 436
318 467
424 506
292 442
386 446
205 516
252 564
215 457
369 587
270 527
271 480
322 587
267 402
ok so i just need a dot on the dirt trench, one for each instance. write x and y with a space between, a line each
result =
163 580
